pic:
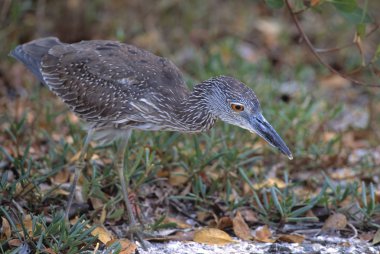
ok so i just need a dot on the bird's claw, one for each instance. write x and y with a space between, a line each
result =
138 231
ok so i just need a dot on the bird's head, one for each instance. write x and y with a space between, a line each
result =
236 104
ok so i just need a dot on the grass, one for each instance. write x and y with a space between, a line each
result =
222 171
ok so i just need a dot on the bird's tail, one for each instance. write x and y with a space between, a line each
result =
31 53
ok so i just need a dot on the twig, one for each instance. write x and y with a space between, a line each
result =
328 50
353 229
314 231
4 10
316 55
178 207
19 208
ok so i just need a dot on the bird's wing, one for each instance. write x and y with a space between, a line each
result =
106 81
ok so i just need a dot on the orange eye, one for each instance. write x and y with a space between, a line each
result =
237 107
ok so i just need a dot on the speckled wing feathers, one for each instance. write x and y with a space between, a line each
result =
110 83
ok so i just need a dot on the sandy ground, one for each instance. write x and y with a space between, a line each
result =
320 245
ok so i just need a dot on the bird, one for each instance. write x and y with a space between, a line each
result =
116 88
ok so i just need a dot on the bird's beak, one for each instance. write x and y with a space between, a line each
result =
260 126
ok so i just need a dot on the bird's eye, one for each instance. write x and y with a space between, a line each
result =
237 107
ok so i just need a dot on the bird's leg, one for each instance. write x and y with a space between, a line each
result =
79 165
135 231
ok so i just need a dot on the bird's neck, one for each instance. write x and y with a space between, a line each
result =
195 114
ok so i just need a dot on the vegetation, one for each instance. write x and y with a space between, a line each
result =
330 123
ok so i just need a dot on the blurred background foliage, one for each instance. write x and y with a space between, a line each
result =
330 124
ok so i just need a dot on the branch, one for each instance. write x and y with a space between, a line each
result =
315 53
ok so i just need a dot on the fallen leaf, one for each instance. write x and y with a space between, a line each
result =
334 81
270 182
224 222
336 221
263 234
343 174
376 238
270 29
202 215
97 203
27 223
61 192
15 242
291 238
50 251
62 176
212 236
314 2
367 236
103 234
74 220
75 157
178 177
329 135
249 215
241 228
127 247
6 228
103 215
180 224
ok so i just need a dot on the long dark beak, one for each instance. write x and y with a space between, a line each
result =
261 127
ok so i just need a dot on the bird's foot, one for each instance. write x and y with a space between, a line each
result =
138 231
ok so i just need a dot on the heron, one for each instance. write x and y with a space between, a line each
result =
116 88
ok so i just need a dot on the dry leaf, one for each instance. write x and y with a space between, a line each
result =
15 242
97 203
334 81
241 228
75 157
28 225
270 30
343 174
263 234
270 182
212 236
329 135
61 177
103 215
127 247
376 238
202 215
249 215
61 192
224 222
6 228
367 236
50 251
314 2
103 234
74 220
179 223
291 238
178 177
336 221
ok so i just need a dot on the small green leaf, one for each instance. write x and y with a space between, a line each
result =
275 4
345 5
377 53
357 16
360 30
